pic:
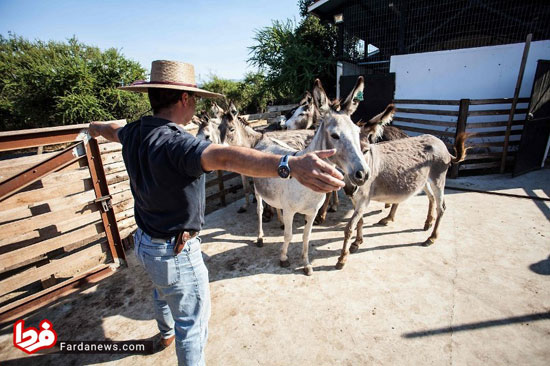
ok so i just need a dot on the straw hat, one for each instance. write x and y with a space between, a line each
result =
171 75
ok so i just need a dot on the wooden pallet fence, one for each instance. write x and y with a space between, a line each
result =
55 236
484 119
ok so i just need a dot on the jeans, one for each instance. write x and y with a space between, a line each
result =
181 293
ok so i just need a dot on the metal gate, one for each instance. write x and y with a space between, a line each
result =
58 230
536 131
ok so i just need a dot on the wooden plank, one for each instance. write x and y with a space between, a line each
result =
45 194
120 196
428 111
423 130
495 133
95 253
489 165
425 121
433 102
476 145
110 158
119 187
10 259
44 130
37 208
109 147
114 168
226 176
496 112
497 101
54 229
116 178
127 223
120 207
281 108
472 125
14 229
494 155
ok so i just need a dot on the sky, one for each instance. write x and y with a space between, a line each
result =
214 36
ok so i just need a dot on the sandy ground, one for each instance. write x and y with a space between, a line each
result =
479 296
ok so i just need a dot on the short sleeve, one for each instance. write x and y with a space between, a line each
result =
185 151
122 133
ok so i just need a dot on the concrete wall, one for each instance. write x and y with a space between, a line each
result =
475 73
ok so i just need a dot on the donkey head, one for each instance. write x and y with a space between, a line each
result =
232 128
208 129
304 116
374 128
339 132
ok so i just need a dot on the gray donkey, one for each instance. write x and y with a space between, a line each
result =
336 130
399 170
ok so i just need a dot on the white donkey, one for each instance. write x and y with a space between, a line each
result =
400 169
336 130
304 116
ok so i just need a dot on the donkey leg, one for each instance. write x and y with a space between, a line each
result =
358 237
322 213
280 218
246 189
352 223
308 269
288 217
386 220
440 206
430 218
335 202
259 212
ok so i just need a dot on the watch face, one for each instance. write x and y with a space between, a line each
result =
283 171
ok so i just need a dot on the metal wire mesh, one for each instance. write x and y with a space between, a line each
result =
404 26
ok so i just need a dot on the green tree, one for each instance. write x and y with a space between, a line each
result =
58 83
293 55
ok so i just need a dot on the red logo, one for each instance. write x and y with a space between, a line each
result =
31 340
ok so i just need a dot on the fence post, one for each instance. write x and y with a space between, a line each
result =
221 187
460 127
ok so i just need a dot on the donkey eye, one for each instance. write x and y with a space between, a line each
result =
335 136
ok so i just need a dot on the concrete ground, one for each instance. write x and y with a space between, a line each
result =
479 296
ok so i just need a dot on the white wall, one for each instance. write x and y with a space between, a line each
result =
474 73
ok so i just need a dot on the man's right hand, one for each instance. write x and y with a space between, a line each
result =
315 173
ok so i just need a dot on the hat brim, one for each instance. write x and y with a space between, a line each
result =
143 88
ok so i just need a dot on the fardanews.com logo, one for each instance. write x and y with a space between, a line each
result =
31 339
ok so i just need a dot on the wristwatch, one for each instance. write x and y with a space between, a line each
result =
284 169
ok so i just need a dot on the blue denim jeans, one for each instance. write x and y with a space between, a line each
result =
181 293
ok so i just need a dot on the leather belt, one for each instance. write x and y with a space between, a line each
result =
182 238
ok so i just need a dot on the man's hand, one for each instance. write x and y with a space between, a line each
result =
107 129
314 173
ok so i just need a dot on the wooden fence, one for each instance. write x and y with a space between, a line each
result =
484 119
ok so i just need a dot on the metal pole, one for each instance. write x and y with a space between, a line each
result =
514 102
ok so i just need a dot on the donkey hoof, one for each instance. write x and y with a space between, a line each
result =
340 265
284 264
429 242
308 270
427 226
353 248
319 220
260 242
384 222
241 210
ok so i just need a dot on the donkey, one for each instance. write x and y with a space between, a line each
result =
336 130
304 116
208 124
399 170
235 130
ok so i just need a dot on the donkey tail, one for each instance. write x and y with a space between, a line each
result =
459 148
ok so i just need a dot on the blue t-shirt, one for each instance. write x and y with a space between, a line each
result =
166 177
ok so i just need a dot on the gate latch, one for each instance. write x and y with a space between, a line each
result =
105 202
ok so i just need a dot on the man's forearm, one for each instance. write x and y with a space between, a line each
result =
249 162
109 130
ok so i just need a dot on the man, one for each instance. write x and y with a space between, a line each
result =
166 165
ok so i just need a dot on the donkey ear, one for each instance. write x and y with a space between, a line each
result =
233 110
307 99
320 97
215 110
354 98
385 117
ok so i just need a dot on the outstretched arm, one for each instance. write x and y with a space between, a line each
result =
109 130
309 169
